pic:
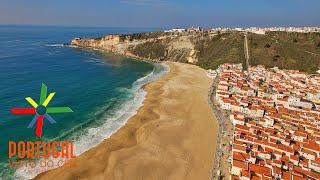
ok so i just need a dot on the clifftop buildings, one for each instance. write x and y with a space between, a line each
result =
256 30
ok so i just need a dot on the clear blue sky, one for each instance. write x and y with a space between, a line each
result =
161 13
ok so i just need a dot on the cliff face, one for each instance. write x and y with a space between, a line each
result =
149 46
299 51
113 43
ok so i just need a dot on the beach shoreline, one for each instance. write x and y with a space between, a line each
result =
172 136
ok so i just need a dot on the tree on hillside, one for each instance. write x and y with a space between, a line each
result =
267 46
275 58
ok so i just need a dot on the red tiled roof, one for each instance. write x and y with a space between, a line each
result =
240 156
260 169
240 164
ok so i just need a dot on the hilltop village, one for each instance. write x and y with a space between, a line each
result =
275 116
256 30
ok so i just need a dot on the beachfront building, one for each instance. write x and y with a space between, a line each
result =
276 119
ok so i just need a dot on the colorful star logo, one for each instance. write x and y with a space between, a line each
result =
40 110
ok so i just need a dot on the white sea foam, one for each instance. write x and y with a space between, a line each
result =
60 45
94 136
16 40
55 45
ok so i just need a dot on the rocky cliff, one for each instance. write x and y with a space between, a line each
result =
150 46
285 50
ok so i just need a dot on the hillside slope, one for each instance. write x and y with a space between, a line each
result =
286 50
299 51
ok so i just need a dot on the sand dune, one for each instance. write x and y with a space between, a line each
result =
172 136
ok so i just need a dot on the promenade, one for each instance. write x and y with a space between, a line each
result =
220 168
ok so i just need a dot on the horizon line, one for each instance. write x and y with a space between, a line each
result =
164 27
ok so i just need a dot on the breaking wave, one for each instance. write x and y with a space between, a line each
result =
86 137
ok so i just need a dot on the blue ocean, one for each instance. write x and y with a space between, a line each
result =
102 89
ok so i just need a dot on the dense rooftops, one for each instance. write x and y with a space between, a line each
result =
276 118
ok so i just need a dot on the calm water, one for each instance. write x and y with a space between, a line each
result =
101 89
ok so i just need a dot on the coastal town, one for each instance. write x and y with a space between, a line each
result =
160 90
275 118
256 30
267 118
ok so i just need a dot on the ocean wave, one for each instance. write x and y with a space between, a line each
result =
59 45
56 45
93 136
8 56
95 61
11 41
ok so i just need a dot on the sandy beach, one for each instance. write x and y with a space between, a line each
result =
173 135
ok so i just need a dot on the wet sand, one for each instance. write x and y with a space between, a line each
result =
173 135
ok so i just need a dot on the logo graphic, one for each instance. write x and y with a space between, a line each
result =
40 110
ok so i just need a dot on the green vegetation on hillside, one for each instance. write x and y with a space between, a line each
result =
152 50
286 50
145 35
223 48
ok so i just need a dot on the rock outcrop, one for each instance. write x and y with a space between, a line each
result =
209 49
148 46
